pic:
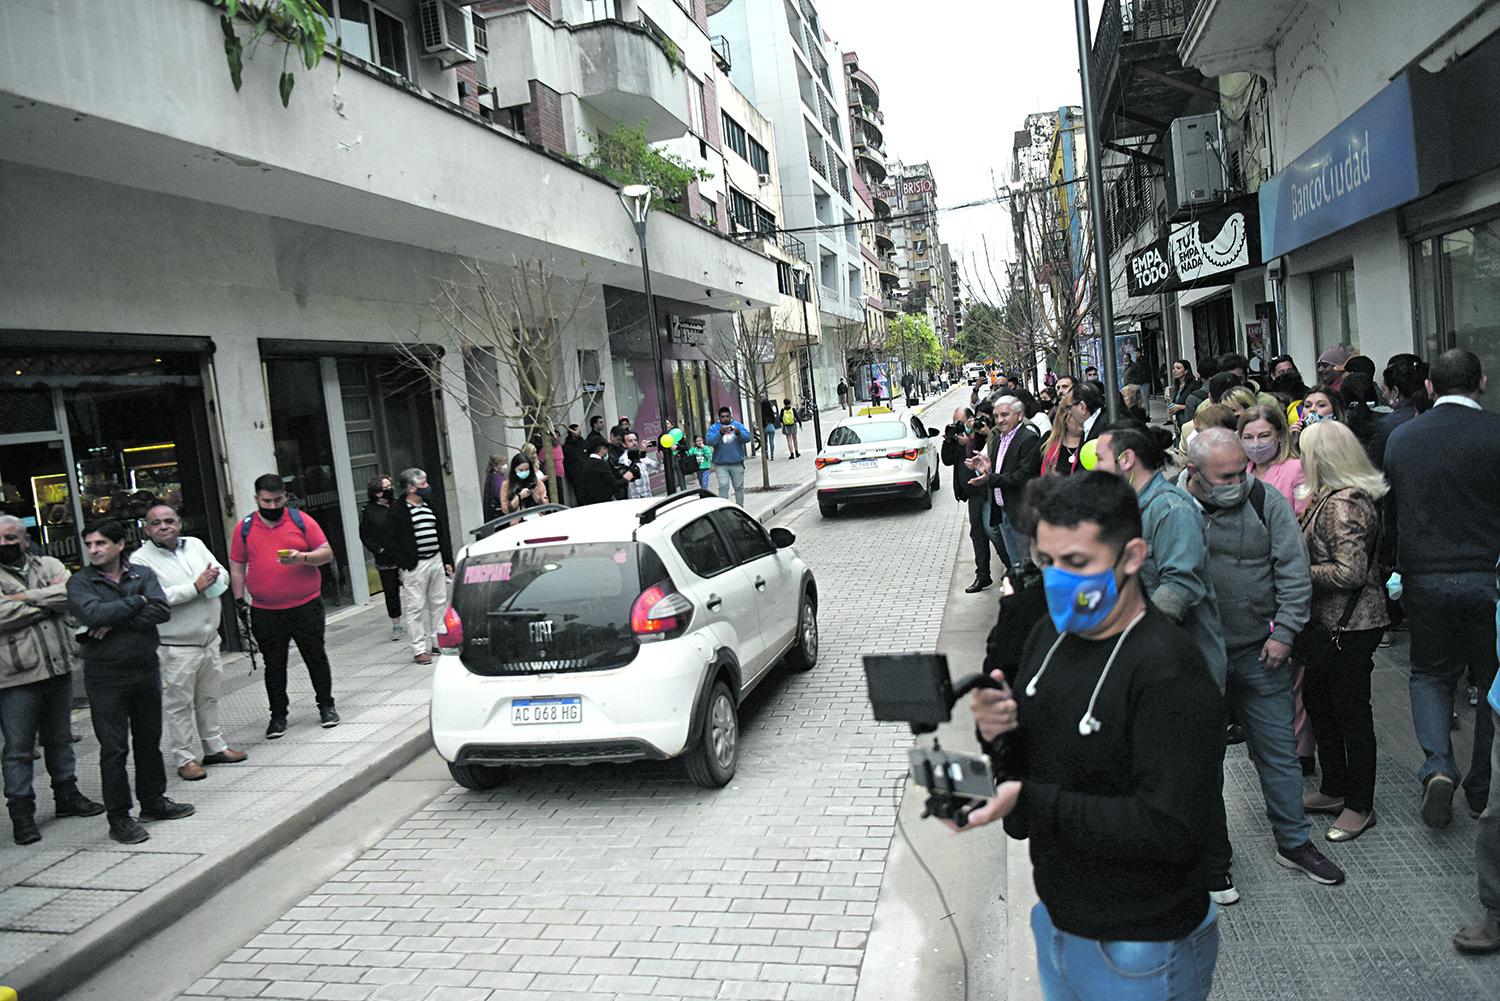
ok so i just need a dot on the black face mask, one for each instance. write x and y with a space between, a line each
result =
272 514
10 552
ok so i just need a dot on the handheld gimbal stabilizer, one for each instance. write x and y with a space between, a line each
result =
916 689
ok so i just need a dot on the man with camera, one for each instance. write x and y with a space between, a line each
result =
966 437
1001 472
1110 746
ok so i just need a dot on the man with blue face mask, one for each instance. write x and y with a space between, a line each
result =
1111 749
1261 576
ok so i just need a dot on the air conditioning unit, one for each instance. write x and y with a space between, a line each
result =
1195 165
447 32
764 179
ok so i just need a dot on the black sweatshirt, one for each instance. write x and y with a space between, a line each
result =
1117 820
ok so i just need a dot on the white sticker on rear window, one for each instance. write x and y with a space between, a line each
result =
485 573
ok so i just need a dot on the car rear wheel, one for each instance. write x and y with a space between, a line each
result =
480 778
804 655
712 760
827 508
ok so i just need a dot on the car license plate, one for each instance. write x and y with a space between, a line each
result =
863 464
527 711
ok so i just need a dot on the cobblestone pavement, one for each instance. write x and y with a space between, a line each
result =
623 882
1385 933
76 874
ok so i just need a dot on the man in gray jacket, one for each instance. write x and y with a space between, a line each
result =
191 671
36 685
1263 582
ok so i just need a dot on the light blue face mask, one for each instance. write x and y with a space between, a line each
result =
1079 602
523 474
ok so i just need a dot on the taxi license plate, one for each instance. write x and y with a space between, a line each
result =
862 464
524 712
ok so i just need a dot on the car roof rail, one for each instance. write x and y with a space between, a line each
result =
494 525
647 516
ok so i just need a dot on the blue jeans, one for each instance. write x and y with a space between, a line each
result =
1013 544
703 478
768 435
1452 620
732 475
1261 699
1083 969
25 710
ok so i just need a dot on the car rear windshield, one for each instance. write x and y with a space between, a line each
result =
552 608
867 434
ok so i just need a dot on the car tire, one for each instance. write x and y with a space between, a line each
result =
715 754
479 778
827 508
804 653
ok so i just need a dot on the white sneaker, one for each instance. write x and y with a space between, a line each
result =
397 630
1222 892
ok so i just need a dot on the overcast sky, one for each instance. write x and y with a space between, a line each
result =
956 78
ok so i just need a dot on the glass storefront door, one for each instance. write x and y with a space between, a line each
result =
1458 295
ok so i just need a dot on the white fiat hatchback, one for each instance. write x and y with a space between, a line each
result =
623 631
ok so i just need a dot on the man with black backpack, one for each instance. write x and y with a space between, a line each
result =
274 556
1260 573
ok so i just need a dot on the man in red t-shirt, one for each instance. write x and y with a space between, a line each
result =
273 563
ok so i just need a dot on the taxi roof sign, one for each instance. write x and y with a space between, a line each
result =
870 411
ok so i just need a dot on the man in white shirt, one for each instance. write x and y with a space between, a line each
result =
640 465
191 670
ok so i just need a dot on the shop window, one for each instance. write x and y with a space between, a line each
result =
1458 294
1334 317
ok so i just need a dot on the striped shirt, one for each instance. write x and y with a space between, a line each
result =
424 528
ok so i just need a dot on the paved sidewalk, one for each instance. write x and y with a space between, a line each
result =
71 903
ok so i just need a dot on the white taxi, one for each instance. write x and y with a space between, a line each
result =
878 453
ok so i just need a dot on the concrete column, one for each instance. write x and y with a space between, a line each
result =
244 415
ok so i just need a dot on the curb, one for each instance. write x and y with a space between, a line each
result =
82 954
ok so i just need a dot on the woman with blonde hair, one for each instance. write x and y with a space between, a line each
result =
1340 528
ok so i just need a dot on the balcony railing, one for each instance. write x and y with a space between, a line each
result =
720 45
1138 29
828 294
793 246
818 165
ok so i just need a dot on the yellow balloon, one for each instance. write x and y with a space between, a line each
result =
1088 456
667 440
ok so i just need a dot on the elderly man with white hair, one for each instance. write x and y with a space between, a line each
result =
1260 573
1014 459
36 685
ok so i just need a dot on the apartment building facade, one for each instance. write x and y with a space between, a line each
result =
247 284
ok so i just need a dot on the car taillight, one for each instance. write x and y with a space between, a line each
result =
660 612
830 460
451 632
910 455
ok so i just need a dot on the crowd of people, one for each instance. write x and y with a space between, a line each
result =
1226 577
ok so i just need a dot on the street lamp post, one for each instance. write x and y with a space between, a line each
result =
636 198
805 291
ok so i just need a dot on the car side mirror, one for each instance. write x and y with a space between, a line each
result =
783 537
933 432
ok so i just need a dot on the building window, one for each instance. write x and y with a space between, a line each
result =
784 283
1458 294
1334 317
742 211
734 135
481 32
760 159
765 222
697 118
369 33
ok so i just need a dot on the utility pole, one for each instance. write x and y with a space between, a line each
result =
1096 216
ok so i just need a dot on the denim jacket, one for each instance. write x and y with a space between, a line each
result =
1175 574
